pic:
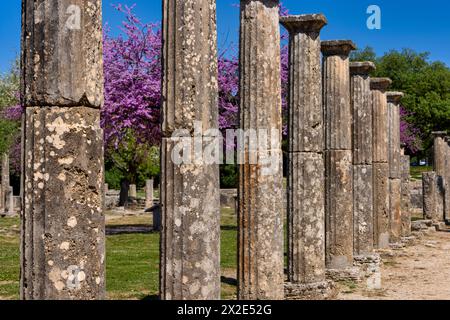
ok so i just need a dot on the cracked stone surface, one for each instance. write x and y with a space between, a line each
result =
63 242
63 233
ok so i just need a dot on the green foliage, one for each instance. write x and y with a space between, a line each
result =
228 176
132 161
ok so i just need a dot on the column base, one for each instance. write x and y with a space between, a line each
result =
323 290
348 274
369 265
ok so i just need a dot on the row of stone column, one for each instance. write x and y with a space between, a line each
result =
436 184
62 90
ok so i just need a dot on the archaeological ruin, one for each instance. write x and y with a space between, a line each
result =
347 198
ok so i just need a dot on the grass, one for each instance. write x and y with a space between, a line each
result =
132 260
416 172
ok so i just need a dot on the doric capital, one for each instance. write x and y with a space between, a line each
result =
304 23
381 84
394 96
337 47
362 68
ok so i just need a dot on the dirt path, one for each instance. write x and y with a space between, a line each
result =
421 272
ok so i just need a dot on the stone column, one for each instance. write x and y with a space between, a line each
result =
380 162
260 216
405 196
149 194
190 195
338 154
5 183
10 200
362 157
306 194
429 184
439 166
63 227
395 183
132 193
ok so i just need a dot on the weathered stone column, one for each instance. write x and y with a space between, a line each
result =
362 157
338 154
380 162
132 193
10 200
149 194
306 193
405 196
429 184
190 196
447 180
260 217
5 183
439 166
63 227
395 183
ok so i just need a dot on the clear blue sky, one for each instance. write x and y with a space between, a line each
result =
420 25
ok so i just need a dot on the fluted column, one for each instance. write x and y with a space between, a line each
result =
260 246
395 183
63 241
190 197
306 194
405 195
380 161
362 156
338 154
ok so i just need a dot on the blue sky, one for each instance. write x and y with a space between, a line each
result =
420 25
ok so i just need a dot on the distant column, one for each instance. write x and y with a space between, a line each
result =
63 225
447 179
260 246
429 184
5 183
338 154
10 200
190 195
395 183
406 196
439 166
362 157
380 162
133 191
149 193
306 194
